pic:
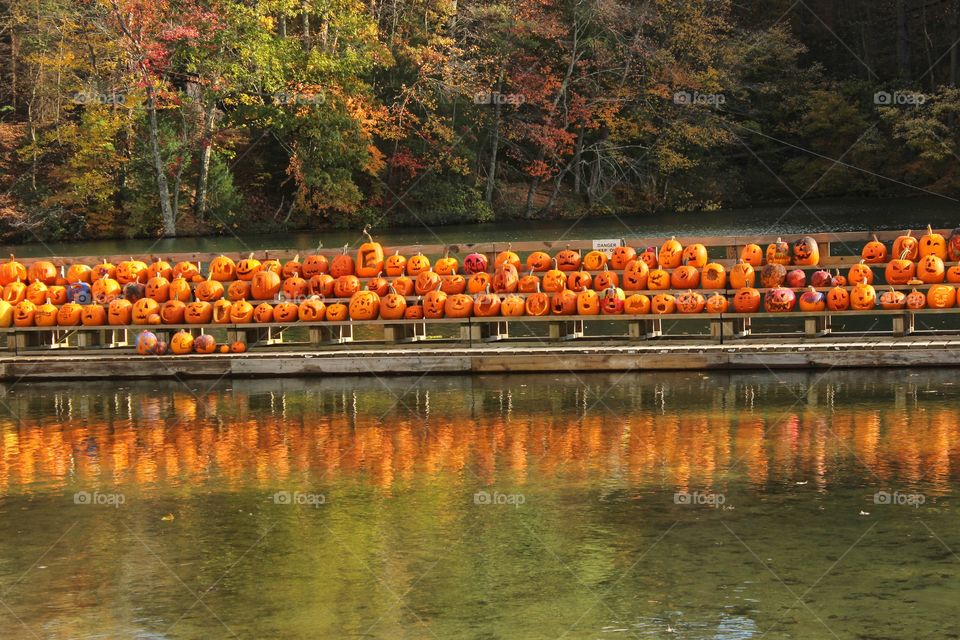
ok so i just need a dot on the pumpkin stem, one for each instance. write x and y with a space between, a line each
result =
929 230
366 232
250 257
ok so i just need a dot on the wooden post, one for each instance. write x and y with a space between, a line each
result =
900 325
635 330
654 327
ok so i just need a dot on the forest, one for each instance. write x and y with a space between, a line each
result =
129 118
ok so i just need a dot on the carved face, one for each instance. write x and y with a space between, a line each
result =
605 280
479 282
953 246
312 310
486 304
933 244
413 312
505 280
380 286
315 265
477 263
247 267
953 274
103 270
563 303
588 303
773 275
941 296
221 311
143 309
447 265
863 297
752 254
198 312
658 280
690 302
539 261
286 312
555 280
685 277
714 276
295 288
37 292
906 246
529 283
57 294
241 312
806 252
622 256
579 281
695 255
119 312
418 264
874 252
812 300
512 306
69 314
78 273
11 271
132 271
649 255
364 305
426 281
636 304
779 253
663 303
158 288
434 304
594 260
930 270
779 300
185 270
459 305
342 265
395 265
916 300
635 275
671 254
393 306
80 292
105 290
16 292
263 312
893 299
292 268
172 312
742 275
211 290
239 290
507 257
612 301
717 304
900 271
838 299
181 343
24 314
746 300
568 260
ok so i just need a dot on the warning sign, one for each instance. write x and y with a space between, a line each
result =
607 246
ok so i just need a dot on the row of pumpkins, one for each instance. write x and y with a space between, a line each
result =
368 305
182 343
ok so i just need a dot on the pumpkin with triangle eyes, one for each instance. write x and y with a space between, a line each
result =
103 270
343 264
507 256
143 309
294 288
209 290
42 271
717 303
528 283
622 256
636 304
505 280
264 286
685 277
263 313
594 260
612 301
119 312
906 246
663 304
714 276
941 296
78 273
417 264
658 280
779 300
860 272
671 254
238 290
393 306
606 279
158 288
838 299
479 282
649 255
578 281
314 265
247 267
45 315
863 297
932 244
893 299
312 310
569 260
381 286
931 270
563 303
172 312
185 270
24 314
916 300
773 275
747 300
779 253
635 275
695 255
752 254
812 300
477 263
70 314
453 284
395 265
369 257
806 252
486 304
11 271
447 265
221 311
742 275
512 306
322 284
460 305
900 270
874 252
198 312
292 268
588 303
286 312
427 281
434 303
93 315
691 302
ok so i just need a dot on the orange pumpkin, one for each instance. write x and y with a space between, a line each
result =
941 296
172 312
743 275
578 281
506 279
588 303
37 292
446 265
314 265
636 304
747 300
931 270
671 254
752 254
537 304
119 312
838 299
241 312
606 279
11 271
779 253
900 270
78 273
343 264
264 286
322 284
863 297
221 311
404 285
487 304
434 303
916 300
426 281
874 252
185 270
512 306
181 343
658 280
222 269
695 255
42 271
685 277
806 252
417 264
24 314
714 276
479 282
311 310
369 257
508 257
93 315
295 288
263 313
635 275
393 306
413 312
717 303
158 288
198 312
622 256
292 268
568 260
209 290
594 261
906 246
690 302
45 314
143 309
860 272
395 265
247 267
893 299
663 304
932 244
239 290
286 312
460 305
539 261
563 303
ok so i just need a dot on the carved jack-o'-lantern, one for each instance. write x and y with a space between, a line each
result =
478 282
343 264
695 255
906 246
742 275
671 254
779 300
588 303
606 279
263 313
779 253
636 304
427 281
773 275
578 281
314 265
512 306
594 260
747 300
247 267
563 303
874 252
434 303
838 299
635 275
506 279
210 290
486 304
690 302
312 310
143 309
893 299
863 297
239 290
916 300
622 256
806 252
860 272
447 265
611 303
119 312
717 303
172 312
663 304
658 279
930 270
417 264
198 312
568 260
265 285
393 306
941 296
685 277
507 256
158 288
369 257
900 270
752 254
459 305
93 315
932 244
477 263
714 276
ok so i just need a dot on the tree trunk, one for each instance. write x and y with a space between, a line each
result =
200 207
166 209
903 41
494 145
13 68
305 21
528 210
955 52
577 157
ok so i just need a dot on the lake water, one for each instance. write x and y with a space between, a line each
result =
680 505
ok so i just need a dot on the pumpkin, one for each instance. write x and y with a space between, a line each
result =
15 292
685 277
311 310
900 270
263 313
953 274
132 271
204 344
860 272
404 285
779 252
70 314
417 264
773 275
264 286
241 312
314 265
671 254
37 292
295 287
181 343
119 312
953 246
157 288
180 290
714 276
147 343
578 281
658 279
45 314
863 297
11 271
185 270
512 306
742 275
717 303
143 309
198 312
286 312
838 299
606 279
79 273
477 263
211 290
42 271
434 303
93 315
103 270
649 256
588 303
395 265
486 304
806 252
563 303
916 300
906 246
369 257
238 347
812 300
691 302
796 279
413 312
594 260
322 284
622 256
663 304
821 278
292 268
746 300
874 252
635 275
446 265
393 306
271 265
221 311
428 281
172 312
238 290
343 264
636 304
507 256
612 301
779 300
506 279
555 280
838 280
133 291
695 255
247 267
527 284
479 282
105 290
380 286
893 299
941 296
24 313
460 305
59 295
752 254
932 244
568 260
930 270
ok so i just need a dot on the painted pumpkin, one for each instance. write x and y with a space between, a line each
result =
477 263
874 252
369 257
147 343
611 303
747 300
953 246
247 267
812 300
671 254
779 300
103 270
806 252
779 252
796 279
204 344
45 314
821 278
